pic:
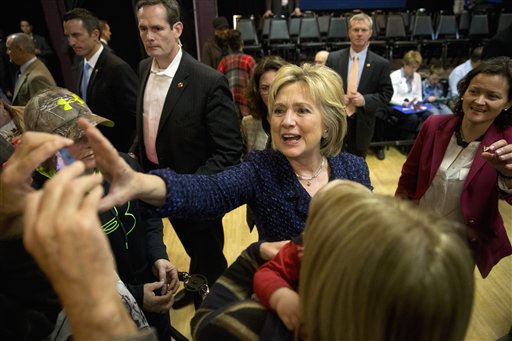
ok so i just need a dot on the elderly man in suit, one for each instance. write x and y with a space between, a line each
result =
106 82
186 121
33 75
366 83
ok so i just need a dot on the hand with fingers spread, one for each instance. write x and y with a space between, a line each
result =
63 234
16 178
125 183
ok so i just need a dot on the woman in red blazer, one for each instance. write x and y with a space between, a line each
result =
460 165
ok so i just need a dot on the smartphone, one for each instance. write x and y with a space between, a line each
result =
64 158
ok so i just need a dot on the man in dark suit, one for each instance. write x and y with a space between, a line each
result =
110 84
186 121
43 49
276 7
374 89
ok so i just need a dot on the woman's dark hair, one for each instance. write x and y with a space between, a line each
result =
501 66
257 108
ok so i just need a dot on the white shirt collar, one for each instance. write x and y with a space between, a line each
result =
170 71
25 66
94 59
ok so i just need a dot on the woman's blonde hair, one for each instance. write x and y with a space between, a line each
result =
412 57
378 268
326 89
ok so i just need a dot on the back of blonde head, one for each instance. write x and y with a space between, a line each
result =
388 270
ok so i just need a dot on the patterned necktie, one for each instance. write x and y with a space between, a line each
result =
85 80
352 83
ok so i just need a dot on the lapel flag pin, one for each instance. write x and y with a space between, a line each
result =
180 85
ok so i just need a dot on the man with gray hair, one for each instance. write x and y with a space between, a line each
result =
33 74
366 83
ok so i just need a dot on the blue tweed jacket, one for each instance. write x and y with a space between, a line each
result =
265 181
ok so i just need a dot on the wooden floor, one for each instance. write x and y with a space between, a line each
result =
492 312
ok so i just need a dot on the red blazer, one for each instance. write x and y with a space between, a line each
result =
479 199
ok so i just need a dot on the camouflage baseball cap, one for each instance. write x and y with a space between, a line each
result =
56 111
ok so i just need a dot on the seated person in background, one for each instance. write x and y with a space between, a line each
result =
462 70
136 240
321 57
365 255
81 272
433 91
406 81
238 68
407 92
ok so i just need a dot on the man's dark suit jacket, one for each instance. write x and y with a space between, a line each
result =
199 130
112 93
375 85
499 45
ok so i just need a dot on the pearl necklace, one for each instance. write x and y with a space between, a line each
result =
312 177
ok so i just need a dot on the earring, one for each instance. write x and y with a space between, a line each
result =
325 134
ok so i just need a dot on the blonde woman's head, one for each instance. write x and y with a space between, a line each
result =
379 268
326 89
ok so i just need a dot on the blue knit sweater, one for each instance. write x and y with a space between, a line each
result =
265 181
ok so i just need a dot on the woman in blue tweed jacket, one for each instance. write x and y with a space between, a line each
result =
308 123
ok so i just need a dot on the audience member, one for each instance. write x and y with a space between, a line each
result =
29 314
106 35
280 7
434 92
276 283
406 81
203 138
43 50
33 74
104 81
307 118
256 127
407 93
321 57
238 68
62 233
356 241
367 83
462 70
136 241
460 165
214 49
